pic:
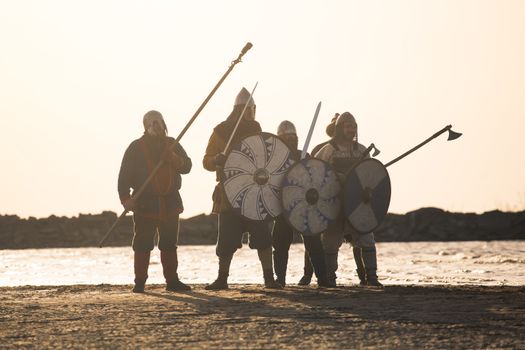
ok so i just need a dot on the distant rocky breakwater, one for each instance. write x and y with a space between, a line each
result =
425 224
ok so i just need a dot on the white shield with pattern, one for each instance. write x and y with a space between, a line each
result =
311 196
253 174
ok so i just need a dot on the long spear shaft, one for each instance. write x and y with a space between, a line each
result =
452 136
137 194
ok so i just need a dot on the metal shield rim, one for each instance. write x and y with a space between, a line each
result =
290 169
345 190
222 177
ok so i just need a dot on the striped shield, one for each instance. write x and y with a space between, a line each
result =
253 173
367 195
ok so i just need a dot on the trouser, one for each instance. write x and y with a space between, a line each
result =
143 244
231 229
362 243
282 237
308 268
316 255
145 229
332 240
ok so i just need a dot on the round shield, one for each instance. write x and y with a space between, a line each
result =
367 195
310 196
253 173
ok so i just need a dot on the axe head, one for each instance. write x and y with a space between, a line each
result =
369 149
452 135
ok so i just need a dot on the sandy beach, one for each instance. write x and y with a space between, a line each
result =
249 316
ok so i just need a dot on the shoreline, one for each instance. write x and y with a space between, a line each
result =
478 263
250 316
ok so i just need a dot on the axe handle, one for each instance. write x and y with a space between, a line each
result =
161 162
361 157
446 128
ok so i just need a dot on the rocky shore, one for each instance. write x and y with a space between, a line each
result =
426 224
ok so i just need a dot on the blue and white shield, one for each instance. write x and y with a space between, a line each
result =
311 196
253 174
367 195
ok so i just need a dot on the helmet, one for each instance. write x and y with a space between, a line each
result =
151 117
346 117
242 98
286 127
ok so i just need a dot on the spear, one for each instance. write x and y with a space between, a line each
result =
137 194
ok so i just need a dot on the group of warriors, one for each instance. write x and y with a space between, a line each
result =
157 209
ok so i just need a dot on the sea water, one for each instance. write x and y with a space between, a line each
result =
453 263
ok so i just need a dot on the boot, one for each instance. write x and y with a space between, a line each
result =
169 268
265 256
281 280
331 268
141 264
308 271
370 263
280 262
360 266
305 281
324 283
317 260
221 282
176 285
269 282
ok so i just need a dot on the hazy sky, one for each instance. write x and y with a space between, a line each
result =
76 78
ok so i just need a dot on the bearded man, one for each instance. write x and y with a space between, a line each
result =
158 208
342 152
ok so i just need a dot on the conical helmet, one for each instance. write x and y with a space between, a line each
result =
242 98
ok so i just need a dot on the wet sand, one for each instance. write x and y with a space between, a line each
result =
249 316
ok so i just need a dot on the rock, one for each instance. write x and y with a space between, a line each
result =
425 224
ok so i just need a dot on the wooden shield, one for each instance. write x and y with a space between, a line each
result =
311 196
367 195
253 173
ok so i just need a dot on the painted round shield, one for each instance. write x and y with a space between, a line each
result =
367 195
253 174
311 196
